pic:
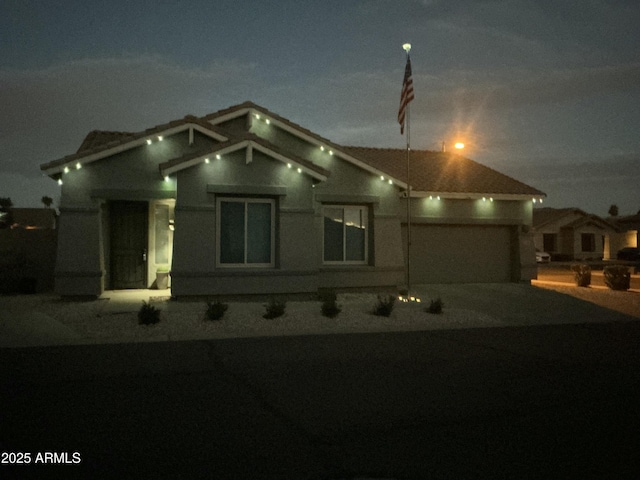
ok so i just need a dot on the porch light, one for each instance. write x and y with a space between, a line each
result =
160 138
206 160
148 141
78 166
166 179
66 169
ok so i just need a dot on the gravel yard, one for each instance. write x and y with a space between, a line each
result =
47 320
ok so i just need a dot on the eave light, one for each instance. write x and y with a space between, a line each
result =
217 157
268 121
206 160
166 178
288 165
322 148
66 169
59 181
390 182
148 141
160 138
299 170
78 166
330 152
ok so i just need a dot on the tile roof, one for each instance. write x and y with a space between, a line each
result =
98 141
440 172
542 216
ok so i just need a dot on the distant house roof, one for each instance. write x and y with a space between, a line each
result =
34 218
544 216
628 222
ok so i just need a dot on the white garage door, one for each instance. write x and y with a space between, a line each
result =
460 254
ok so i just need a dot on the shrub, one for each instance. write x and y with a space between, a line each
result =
617 277
215 310
384 306
435 306
275 308
148 314
330 306
581 274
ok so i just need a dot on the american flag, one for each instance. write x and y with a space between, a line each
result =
407 94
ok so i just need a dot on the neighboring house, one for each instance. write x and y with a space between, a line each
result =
570 233
34 218
628 234
243 201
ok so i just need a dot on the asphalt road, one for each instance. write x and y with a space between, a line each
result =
523 402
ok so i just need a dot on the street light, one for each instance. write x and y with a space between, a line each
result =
457 146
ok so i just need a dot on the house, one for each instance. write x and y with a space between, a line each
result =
627 235
246 201
571 234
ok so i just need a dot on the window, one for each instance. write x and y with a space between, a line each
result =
246 232
549 242
161 213
345 234
588 242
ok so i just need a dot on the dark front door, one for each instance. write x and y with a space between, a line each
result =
129 244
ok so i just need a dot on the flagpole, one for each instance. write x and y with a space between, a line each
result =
407 48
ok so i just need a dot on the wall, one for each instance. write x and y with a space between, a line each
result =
27 254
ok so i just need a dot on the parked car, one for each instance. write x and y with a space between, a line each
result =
542 257
629 253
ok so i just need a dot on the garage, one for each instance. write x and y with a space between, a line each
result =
461 254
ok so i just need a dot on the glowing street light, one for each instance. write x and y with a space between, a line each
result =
459 145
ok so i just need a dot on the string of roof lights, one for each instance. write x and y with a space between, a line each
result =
67 169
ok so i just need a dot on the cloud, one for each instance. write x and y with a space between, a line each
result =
47 112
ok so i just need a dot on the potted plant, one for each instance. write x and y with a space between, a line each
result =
162 277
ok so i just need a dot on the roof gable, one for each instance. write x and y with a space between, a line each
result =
574 218
101 144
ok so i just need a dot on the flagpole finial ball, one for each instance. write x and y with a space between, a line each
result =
406 47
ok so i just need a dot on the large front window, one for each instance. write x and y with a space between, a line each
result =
246 232
345 234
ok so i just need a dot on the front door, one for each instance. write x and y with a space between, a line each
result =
129 226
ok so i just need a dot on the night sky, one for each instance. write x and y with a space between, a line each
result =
545 91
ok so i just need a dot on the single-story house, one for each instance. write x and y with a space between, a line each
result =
571 234
628 234
244 201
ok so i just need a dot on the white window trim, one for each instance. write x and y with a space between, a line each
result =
245 201
365 216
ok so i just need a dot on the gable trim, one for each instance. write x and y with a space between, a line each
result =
70 162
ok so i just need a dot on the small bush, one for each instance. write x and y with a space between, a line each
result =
384 306
435 306
148 314
617 277
215 310
275 308
330 307
581 274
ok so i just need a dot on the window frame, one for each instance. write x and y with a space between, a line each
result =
246 201
364 210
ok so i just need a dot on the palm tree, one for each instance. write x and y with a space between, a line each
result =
47 201
613 210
